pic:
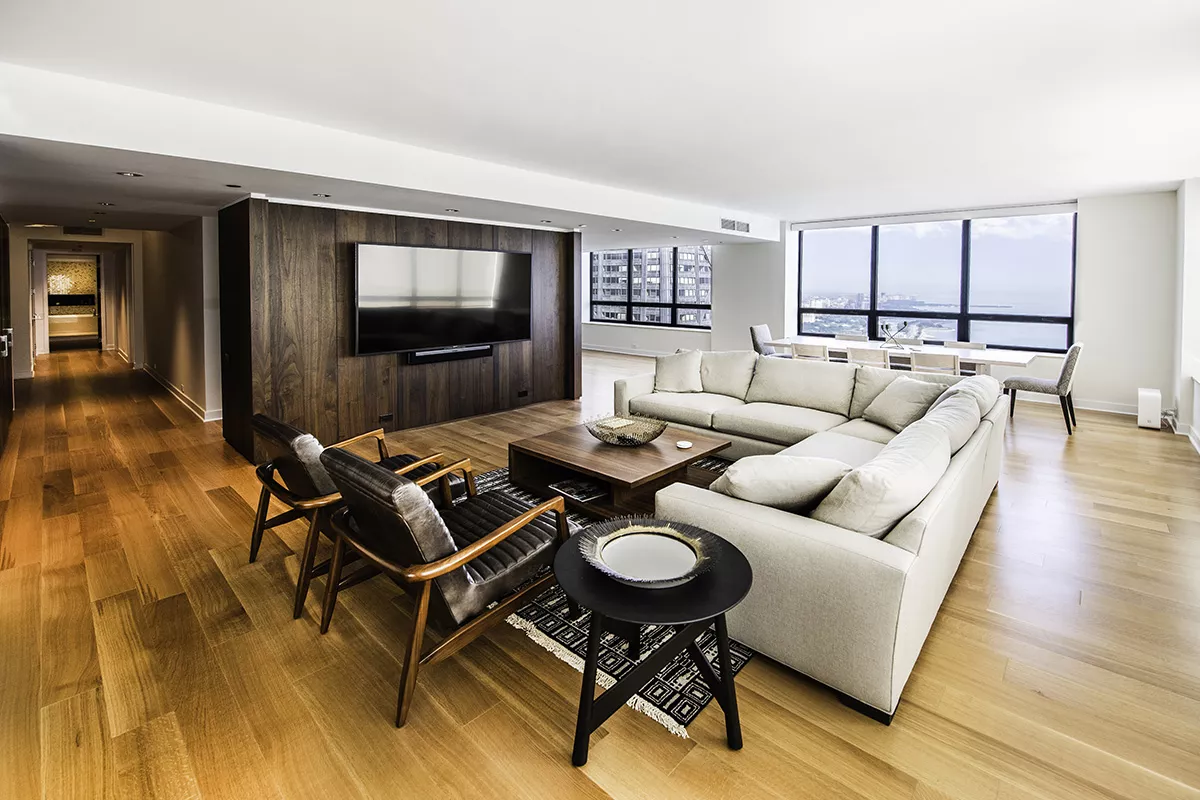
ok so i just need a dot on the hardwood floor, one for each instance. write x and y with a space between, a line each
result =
142 656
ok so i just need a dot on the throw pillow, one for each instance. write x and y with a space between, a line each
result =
727 373
874 497
903 402
678 373
791 483
958 416
983 388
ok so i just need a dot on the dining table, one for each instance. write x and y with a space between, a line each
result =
985 357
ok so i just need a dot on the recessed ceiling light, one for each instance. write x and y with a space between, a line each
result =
547 221
674 237
102 203
91 220
616 230
319 194
40 225
131 174
451 210
233 186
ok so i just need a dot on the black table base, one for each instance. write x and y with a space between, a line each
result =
593 711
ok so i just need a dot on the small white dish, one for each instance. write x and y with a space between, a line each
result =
684 444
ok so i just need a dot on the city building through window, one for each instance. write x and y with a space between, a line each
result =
653 286
1002 281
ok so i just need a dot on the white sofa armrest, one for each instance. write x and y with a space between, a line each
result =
626 389
825 600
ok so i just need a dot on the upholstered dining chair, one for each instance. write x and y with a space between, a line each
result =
1060 386
810 352
868 356
295 477
966 366
940 363
469 565
851 337
759 336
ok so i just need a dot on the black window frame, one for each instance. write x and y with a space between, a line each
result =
630 304
964 317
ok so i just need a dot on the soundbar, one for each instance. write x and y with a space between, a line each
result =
448 354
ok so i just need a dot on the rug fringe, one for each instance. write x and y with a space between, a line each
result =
637 703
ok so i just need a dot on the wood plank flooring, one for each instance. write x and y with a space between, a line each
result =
141 656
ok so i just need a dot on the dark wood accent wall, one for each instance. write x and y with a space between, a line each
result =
287 325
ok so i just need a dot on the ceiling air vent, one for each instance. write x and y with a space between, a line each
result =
735 225
81 230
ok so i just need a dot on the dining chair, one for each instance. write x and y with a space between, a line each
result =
759 336
851 337
868 356
296 478
810 352
941 363
1060 386
470 565
969 367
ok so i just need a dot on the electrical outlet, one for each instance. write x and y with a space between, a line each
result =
385 417
523 393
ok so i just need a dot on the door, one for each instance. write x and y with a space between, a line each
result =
6 372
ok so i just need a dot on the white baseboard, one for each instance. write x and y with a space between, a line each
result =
181 396
124 356
1085 405
630 352
1193 436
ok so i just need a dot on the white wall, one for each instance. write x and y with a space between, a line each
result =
1188 303
180 311
642 339
753 285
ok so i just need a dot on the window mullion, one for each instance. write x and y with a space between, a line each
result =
964 293
873 309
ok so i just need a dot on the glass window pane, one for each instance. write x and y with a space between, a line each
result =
694 276
1022 265
835 268
609 279
943 330
602 313
695 317
833 323
652 275
920 266
1020 334
660 316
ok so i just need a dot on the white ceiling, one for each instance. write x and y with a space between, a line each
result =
801 110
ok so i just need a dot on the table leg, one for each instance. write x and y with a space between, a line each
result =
733 725
587 694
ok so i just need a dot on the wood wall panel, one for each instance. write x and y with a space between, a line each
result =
288 305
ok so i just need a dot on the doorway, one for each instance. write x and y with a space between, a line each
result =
72 302
79 296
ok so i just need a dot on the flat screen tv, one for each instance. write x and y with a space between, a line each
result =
431 298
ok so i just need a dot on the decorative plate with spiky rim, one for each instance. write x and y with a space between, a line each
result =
650 553
626 430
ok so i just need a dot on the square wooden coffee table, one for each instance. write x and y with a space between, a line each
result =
632 474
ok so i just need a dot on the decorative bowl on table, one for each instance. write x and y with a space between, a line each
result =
648 553
626 431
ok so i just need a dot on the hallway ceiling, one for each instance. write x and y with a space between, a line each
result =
800 110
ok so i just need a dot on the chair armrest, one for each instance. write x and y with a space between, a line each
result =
436 458
426 572
443 475
376 434
266 476
626 389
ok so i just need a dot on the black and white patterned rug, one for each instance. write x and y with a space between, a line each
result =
677 694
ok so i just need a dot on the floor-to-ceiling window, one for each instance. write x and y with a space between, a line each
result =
653 286
1000 280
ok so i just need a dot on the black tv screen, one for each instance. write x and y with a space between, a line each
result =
430 298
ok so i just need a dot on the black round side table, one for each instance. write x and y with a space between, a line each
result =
690 608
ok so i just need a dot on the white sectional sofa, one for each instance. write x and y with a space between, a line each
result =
843 607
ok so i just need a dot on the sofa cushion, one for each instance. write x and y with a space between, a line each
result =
984 389
837 446
727 373
865 429
874 497
791 483
959 416
901 403
774 422
870 381
819 385
678 373
688 408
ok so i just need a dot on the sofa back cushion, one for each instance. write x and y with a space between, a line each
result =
822 385
959 416
874 497
983 389
678 373
902 403
870 381
791 483
727 373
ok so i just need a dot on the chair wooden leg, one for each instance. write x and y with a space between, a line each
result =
306 563
331 582
412 659
1071 408
1062 401
260 522
1012 402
